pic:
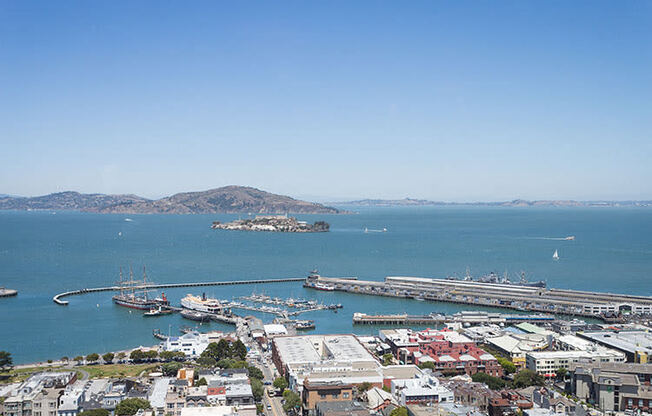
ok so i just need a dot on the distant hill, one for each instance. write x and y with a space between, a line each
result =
228 199
514 203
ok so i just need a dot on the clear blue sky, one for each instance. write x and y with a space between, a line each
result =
450 100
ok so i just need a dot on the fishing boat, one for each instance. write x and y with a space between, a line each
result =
321 286
304 324
195 316
555 255
133 293
158 311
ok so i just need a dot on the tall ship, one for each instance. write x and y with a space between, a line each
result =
134 294
201 304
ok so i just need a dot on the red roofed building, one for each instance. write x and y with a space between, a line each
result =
448 351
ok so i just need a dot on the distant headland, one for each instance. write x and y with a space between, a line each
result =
409 202
226 200
273 223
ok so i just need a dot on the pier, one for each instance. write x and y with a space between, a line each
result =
606 306
58 298
471 318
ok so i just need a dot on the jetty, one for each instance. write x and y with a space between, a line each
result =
519 297
465 317
58 297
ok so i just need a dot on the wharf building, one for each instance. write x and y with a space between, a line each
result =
613 386
448 350
636 345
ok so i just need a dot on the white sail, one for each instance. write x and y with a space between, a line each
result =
555 255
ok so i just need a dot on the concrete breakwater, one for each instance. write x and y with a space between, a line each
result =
58 298
605 306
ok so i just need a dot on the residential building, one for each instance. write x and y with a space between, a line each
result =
317 392
340 408
420 390
546 363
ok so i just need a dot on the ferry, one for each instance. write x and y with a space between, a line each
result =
201 304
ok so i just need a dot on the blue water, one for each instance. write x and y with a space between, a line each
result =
42 254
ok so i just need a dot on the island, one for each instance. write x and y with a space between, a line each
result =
273 223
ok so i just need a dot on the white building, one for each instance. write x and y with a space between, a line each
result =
192 344
422 389
547 362
272 330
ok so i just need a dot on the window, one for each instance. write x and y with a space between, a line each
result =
345 395
335 395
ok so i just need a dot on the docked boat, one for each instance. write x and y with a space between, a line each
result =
202 304
304 324
158 311
321 286
134 294
195 316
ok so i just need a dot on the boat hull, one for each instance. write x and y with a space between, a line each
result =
134 304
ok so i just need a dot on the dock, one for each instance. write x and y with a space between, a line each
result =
524 298
58 298
471 318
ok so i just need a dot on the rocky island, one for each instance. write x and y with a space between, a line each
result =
273 223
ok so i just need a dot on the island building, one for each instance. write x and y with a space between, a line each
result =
613 386
636 344
448 350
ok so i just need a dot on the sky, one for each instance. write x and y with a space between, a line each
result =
328 100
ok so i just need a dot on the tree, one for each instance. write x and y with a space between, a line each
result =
108 357
255 372
362 387
238 350
280 383
5 360
388 359
494 383
64 359
94 412
121 355
292 401
257 389
561 373
526 378
137 355
218 350
201 382
507 365
91 358
151 354
226 363
172 355
171 369
79 359
427 365
207 362
129 407
399 411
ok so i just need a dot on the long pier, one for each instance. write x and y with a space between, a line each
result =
472 318
599 305
58 298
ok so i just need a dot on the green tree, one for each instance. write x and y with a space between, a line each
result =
206 362
507 365
218 350
292 401
94 412
362 387
91 358
257 388
201 382
151 354
5 360
255 372
399 411
137 355
121 355
129 407
238 350
79 359
226 363
171 369
172 355
561 373
108 357
64 358
388 359
494 383
526 378
280 383
427 365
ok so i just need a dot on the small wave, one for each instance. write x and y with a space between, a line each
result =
129 220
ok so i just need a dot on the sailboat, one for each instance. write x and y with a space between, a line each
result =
555 255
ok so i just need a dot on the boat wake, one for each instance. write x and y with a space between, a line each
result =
569 238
